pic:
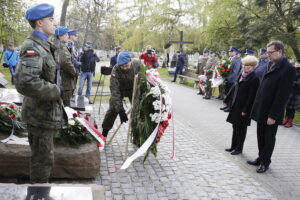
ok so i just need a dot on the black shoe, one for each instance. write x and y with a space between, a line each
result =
223 108
90 102
173 81
200 93
206 97
227 109
229 150
105 132
262 168
236 152
255 162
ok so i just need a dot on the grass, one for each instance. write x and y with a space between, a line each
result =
6 73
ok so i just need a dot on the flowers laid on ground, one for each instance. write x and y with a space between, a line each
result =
10 119
224 68
152 108
74 134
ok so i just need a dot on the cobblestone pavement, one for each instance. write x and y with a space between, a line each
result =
199 171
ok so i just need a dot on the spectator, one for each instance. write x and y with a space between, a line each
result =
244 93
113 60
270 101
179 64
88 60
262 64
293 100
149 57
11 60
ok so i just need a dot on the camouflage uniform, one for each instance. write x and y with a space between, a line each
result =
209 68
201 64
35 79
121 85
68 73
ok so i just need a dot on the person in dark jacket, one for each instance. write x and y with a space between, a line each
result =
245 90
179 64
113 60
88 60
270 101
293 101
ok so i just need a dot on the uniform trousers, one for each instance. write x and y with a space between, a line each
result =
42 153
67 97
266 137
238 136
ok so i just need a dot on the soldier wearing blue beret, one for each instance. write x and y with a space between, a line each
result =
249 52
68 72
37 80
262 64
121 86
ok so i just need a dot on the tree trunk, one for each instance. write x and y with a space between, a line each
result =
64 13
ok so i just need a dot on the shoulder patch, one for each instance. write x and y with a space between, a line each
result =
113 75
30 53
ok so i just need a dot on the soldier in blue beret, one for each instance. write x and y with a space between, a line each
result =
73 39
37 79
262 64
68 72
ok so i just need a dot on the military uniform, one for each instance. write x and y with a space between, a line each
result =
121 85
212 62
201 64
68 73
35 79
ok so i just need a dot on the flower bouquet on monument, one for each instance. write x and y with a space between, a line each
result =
151 111
10 119
224 68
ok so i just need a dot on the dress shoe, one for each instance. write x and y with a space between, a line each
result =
206 97
229 150
262 168
223 108
255 162
227 109
173 81
200 93
90 102
236 152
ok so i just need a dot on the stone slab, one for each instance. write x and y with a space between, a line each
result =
10 96
44 191
80 163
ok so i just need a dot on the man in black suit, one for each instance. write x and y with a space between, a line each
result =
269 104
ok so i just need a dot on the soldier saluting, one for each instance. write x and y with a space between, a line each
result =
36 79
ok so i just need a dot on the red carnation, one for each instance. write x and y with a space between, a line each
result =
223 70
169 116
222 65
87 118
165 123
13 116
11 106
96 126
228 70
83 129
78 112
75 115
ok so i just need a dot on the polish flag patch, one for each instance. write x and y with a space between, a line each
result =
30 53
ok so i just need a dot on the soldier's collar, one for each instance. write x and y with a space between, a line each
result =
41 35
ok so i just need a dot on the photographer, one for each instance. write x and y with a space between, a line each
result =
149 57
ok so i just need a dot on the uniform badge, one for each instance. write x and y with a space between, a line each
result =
113 75
30 53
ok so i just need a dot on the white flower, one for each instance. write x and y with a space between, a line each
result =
156 105
155 91
164 116
71 122
223 61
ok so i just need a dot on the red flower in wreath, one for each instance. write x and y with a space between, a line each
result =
13 116
223 70
83 129
75 115
169 116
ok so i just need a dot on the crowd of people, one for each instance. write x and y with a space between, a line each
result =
262 89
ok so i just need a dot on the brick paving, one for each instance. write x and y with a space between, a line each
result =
199 171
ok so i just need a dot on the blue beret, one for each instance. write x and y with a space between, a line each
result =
73 32
263 51
123 58
39 11
60 31
238 51
233 49
249 52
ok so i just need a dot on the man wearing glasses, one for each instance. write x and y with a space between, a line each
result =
269 104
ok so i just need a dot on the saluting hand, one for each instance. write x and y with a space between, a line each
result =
270 121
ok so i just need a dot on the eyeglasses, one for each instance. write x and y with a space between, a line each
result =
270 52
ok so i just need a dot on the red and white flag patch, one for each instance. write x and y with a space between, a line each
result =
30 53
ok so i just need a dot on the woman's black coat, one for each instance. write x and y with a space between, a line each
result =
243 98
273 92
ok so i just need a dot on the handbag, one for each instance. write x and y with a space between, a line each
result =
6 65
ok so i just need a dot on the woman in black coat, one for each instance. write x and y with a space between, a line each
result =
244 94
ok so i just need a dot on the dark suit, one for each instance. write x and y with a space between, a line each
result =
270 101
243 98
